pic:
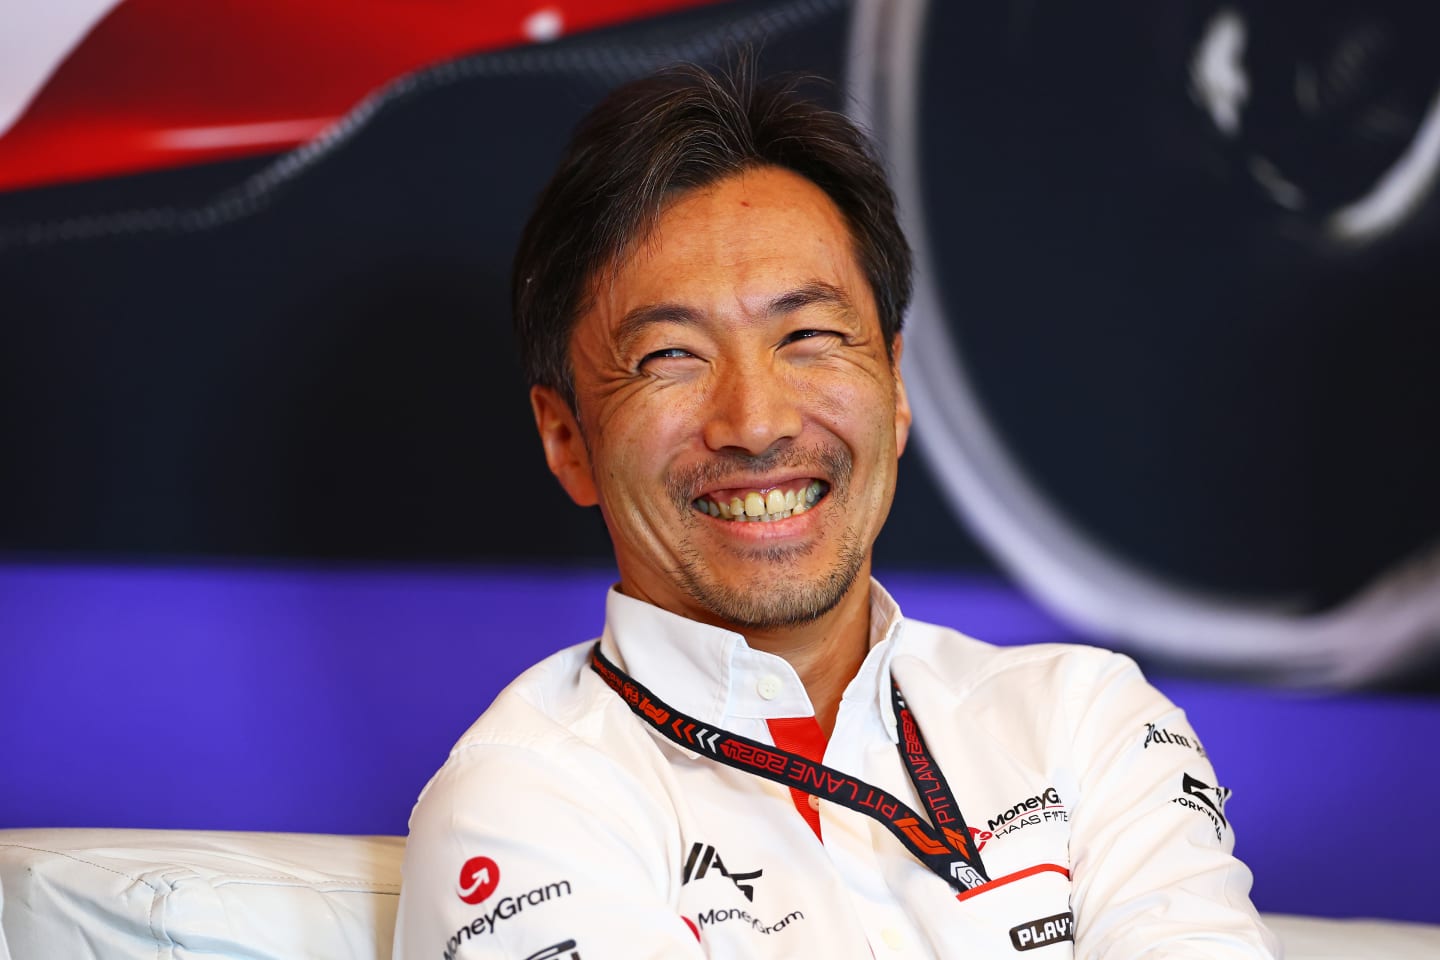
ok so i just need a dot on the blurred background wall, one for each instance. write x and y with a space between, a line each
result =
274 526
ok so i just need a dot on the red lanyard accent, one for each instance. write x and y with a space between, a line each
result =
945 847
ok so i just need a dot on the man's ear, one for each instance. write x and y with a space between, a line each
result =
902 402
565 450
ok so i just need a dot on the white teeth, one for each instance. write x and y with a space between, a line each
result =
764 508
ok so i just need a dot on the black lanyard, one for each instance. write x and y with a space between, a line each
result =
948 851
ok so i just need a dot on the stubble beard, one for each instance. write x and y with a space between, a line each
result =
780 597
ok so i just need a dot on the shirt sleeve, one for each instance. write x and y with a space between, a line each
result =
537 852
1152 851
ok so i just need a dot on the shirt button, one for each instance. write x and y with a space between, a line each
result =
769 686
814 802
893 938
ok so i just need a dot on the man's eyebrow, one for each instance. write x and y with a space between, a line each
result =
816 291
636 321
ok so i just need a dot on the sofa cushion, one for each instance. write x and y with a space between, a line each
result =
1319 938
161 894
171 895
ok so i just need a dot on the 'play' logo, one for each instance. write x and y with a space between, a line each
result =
478 879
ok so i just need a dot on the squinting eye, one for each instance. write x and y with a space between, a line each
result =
808 335
669 353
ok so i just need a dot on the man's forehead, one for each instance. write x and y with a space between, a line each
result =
760 242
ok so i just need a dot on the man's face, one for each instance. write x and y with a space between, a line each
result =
739 418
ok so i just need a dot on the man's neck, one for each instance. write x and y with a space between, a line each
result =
825 653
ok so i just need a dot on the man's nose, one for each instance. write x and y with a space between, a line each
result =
751 409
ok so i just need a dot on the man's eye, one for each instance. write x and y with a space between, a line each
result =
669 353
808 335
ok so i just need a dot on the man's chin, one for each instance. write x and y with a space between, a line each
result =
774 602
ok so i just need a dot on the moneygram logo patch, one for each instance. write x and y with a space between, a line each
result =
478 879
1045 807
709 918
504 909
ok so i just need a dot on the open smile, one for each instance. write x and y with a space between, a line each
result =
762 506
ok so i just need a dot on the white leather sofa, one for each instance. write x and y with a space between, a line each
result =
83 894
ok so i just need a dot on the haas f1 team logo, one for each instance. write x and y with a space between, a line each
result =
478 879
703 858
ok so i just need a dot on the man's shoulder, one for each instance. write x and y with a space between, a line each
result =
548 742
552 719
963 660
553 701
1017 692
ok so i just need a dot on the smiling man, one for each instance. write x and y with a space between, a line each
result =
761 757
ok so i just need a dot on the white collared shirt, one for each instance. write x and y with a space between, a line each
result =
563 827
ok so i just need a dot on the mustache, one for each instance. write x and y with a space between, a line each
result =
834 463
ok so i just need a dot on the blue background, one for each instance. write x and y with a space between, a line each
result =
294 699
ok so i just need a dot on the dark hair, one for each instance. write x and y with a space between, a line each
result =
682 128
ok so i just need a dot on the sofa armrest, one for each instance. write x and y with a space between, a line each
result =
122 894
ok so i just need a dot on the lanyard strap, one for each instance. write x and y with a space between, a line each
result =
948 851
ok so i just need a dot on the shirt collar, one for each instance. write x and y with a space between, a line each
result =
713 675
873 678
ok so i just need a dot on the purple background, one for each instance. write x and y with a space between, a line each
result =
321 700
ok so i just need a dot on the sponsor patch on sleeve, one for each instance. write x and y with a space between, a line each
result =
1205 800
479 878
1159 735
